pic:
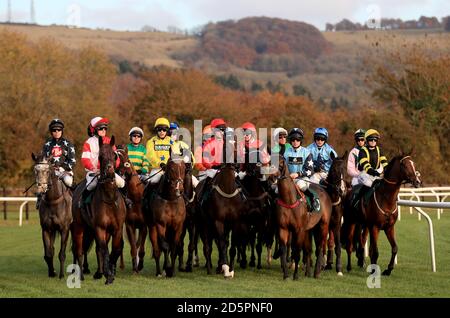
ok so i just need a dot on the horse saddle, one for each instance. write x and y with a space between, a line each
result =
360 191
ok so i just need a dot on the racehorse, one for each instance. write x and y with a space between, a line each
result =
165 214
190 224
380 211
106 219
292 217
337 190
135 217
55 210
259 210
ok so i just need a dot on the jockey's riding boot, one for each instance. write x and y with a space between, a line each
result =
38 202
128 202
315 202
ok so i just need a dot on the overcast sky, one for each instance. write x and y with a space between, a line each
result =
186 14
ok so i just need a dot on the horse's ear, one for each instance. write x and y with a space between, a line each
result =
33 156
332 155
412 150
399 151
112 141
345 154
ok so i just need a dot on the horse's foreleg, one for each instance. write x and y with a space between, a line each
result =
131 234
349 245
331 245
62 251
141 240
283 240
77 247
180 249
362 239
116 251
191 246
102 252
221 245
175 245
320 240
48 239
153 234
252 241
390 234
338 248
259 244
373 249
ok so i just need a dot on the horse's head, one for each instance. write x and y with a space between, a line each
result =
401 168
175 171
125 168
282 172
107 158
42 172
336 174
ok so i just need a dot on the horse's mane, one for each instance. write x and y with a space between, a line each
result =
391 163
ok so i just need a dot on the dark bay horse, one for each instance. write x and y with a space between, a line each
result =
190 224
55 210
134 220
337 189
259 216
106 219
293 219
380 212
222 213
165 214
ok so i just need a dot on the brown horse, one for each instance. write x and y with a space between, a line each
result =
259 218
165 214
135 217
106 219
222 211
190 224
337 190
55 210
293 218
380 212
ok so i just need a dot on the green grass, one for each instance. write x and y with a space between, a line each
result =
23 272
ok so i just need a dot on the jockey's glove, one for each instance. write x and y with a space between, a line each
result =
373 172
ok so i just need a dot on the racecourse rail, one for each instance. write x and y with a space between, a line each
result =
415 196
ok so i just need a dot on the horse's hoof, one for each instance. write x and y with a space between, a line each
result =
328 266
182 269
61 275
349 268
52 274
219 270
386 272
243 264
230 275
188 269
340 274
109 280
252 263
98 275
140 267
86 271
259 266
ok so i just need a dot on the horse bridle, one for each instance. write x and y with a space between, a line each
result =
48 183
416 172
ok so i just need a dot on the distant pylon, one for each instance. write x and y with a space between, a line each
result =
9 11
32 13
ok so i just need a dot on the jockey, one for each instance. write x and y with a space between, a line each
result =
280 134
158 149
251 144
352 161
206 136
321 153
213 148
370 159
137 153
300 164
181 145
89 157
62 153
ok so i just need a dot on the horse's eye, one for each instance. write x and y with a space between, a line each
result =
127 165
417 174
